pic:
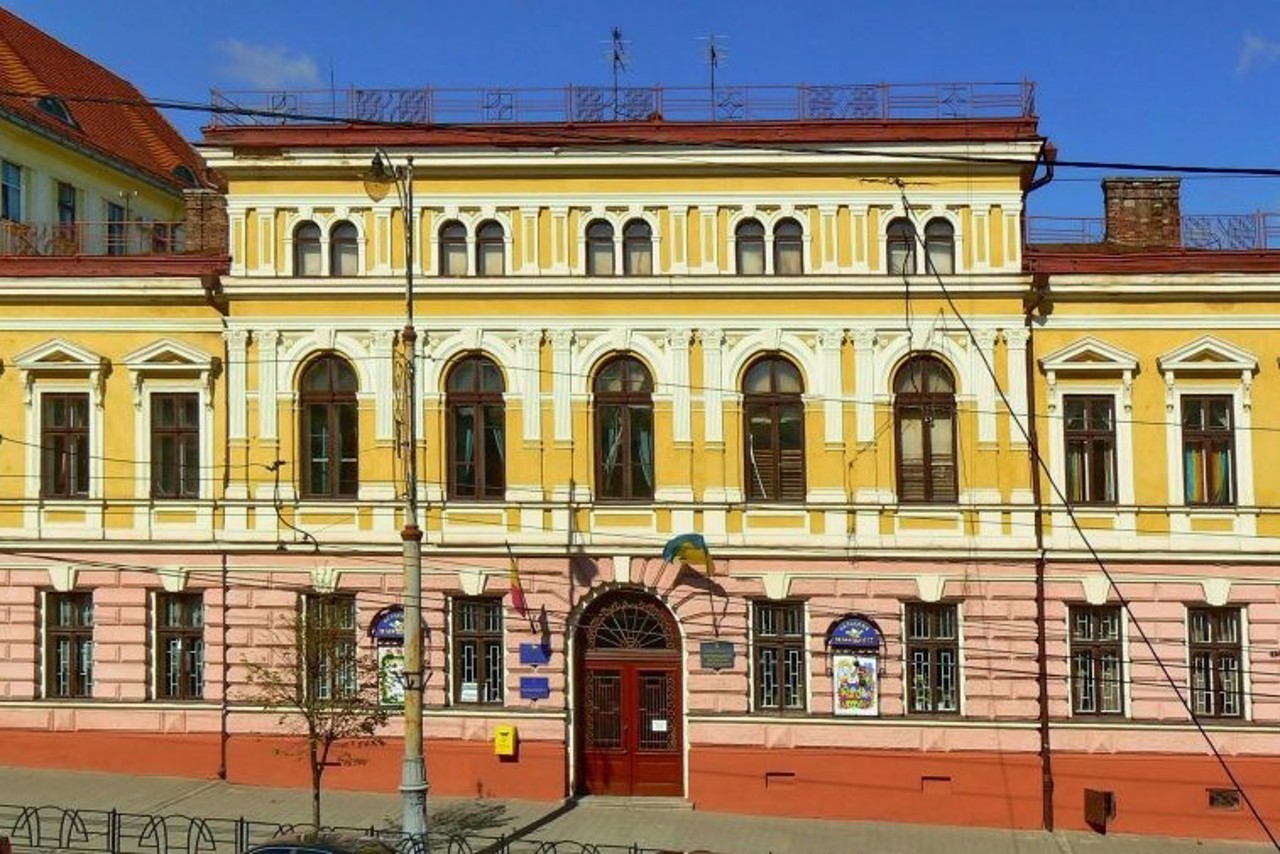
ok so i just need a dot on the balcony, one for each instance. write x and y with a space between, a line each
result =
593 104
124 239
1224 232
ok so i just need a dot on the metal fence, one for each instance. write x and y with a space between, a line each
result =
132 237
51 828
806 102
1239 232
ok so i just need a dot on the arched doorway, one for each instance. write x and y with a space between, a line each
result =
629 698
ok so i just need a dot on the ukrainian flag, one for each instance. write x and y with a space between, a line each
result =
689 548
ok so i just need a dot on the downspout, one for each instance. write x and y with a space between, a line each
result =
1033 303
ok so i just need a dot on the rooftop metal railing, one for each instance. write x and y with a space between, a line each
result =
121 238
805 102
1249 231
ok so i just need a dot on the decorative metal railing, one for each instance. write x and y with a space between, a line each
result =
135 237
427 105
51 828
1258 230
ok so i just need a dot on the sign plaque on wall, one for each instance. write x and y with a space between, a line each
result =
534 653
534 688
716 655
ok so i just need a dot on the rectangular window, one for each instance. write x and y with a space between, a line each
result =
179 657
116 242
329 646
1089 428
1208 450
1217 662
68 650
1097 671
777 652
933 658
66 204
64 445
175 445
10 191
477 650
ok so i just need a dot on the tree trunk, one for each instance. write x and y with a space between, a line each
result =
317 769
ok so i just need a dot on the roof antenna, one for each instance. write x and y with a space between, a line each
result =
619 59
715 54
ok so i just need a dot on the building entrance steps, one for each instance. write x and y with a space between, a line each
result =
634 803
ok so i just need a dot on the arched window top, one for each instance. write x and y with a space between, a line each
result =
329 375
623 375
637 229
453 230
924 374
600 229
490 229
939 228
787 228
900 228
475 374
772 375
343 230
626 621
748 229
306 231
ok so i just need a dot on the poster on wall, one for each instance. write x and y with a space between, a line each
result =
857 685
391 675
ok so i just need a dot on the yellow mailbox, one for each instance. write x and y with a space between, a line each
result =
504 740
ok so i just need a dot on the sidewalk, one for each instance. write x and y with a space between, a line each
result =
588 821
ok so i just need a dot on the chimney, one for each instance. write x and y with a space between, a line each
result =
206 222
1143 212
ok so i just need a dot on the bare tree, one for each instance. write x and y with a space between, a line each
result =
324 690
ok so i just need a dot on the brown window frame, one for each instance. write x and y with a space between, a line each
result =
1206 440
1095 443
186 441
65 450
117 229
748 232
627 403
928 405
306 238
784 644
76 632
68 213
595 237
333 618
788 237
1217 652
343 234
940 234
486 639
482 403
187 631
450 238
637 237
1091 648
333 401
791 489
900 231
934 645
489 234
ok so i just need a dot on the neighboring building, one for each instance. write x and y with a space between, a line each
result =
636 322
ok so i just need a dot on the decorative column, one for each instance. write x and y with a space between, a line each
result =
1015 340
561 384
713 385
985 385
681 422
679 239
382 343
268 341
237 394
864 408
530 352
830 342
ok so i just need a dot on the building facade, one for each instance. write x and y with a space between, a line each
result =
814 339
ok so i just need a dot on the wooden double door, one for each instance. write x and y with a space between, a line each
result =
629 708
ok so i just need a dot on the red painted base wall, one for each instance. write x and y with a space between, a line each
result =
1154 794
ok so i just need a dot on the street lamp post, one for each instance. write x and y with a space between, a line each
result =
413 779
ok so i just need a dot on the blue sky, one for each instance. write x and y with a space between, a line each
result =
1178 81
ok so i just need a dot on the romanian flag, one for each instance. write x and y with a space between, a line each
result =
517 589
689 548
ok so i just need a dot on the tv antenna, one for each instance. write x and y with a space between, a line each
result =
715 54
619 59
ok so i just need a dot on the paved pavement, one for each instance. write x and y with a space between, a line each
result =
661 825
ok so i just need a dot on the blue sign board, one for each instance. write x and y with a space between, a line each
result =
534 688
388 625
855 633
534 653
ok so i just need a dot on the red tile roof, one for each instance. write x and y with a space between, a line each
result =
35 65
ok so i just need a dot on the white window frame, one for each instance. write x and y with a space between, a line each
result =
905 663
1246 706
1126 666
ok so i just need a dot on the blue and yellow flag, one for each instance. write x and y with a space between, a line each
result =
689 548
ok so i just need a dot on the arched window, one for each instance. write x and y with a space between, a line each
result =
306 249
924 411
599 249
940 246
477 430
773 419
453 249
750 247
788 248
637 248
901 247
624 430
344 250
491 249
330 429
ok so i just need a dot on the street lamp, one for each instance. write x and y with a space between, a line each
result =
378 182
